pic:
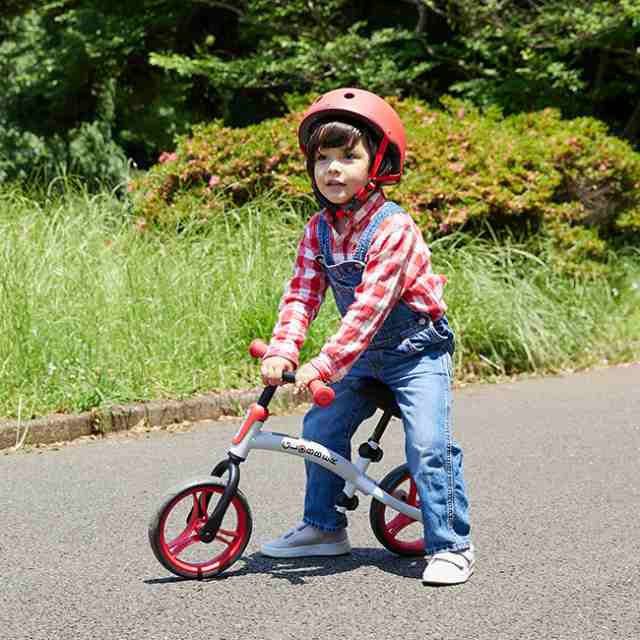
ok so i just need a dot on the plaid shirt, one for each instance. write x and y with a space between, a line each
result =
398 268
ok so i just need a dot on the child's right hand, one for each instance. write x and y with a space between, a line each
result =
272 369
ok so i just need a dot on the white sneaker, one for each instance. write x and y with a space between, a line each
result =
449 567
304 540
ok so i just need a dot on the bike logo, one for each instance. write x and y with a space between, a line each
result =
306 450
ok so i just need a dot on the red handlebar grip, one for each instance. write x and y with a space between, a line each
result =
323 395
258 348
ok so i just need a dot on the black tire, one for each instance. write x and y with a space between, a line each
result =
173 530
401 534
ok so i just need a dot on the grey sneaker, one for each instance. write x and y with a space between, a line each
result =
304 540
449 567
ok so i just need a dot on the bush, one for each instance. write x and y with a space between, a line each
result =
530 174
87 153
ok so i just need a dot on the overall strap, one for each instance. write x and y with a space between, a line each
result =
324 238
386 210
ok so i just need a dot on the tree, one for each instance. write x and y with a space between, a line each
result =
142 73
70 66
582 56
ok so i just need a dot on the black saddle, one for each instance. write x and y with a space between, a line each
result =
380 393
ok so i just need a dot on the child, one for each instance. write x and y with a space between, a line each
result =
372 255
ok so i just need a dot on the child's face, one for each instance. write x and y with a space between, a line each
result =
341 172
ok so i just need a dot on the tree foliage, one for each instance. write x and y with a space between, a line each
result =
136 75
582 56
75 74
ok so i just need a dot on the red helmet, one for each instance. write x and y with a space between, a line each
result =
372 111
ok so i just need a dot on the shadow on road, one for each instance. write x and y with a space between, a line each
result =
296 570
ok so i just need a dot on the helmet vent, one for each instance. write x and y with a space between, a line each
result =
349 95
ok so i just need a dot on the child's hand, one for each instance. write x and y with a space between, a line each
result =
304 375
272 369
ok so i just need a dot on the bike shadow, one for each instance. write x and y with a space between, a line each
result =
296 570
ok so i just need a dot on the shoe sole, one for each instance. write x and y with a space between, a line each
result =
311 550
436 583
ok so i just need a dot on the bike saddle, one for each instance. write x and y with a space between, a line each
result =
380 393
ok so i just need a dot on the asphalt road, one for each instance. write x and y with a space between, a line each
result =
553 472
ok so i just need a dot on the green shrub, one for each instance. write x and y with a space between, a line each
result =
565 180
87 153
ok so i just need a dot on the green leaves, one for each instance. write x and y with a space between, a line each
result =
525 56
75 88
386 61
177 64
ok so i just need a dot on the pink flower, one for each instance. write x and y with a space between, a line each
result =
214 181
444 227
165 156
272 162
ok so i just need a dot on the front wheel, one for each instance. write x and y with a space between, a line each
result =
399 533
174 530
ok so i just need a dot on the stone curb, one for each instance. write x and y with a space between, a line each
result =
156 413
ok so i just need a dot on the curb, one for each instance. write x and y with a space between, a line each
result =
156 413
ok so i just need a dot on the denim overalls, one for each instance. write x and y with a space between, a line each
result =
412 355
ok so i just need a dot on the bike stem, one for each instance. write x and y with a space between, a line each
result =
232 466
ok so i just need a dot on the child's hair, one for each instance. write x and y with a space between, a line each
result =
336 133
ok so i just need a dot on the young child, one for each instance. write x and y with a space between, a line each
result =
372 255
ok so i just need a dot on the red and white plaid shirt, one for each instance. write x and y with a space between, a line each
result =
398 267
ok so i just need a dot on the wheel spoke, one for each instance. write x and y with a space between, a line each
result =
227 537
186 538
204 504
397 524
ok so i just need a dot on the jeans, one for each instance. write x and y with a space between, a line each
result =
418 370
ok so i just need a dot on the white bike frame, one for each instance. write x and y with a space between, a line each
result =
353 473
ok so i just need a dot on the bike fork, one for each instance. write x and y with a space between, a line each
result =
232 467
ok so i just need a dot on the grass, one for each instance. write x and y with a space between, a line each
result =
97 309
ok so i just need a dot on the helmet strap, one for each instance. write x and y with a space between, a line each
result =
377 161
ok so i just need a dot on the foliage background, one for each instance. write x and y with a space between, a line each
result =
86 85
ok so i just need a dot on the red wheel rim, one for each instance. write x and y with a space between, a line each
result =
182 546
396 528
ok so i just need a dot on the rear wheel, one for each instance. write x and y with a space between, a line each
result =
399 533
174 530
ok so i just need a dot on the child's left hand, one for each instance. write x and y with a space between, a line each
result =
304 375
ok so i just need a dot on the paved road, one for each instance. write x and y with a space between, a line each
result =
553 474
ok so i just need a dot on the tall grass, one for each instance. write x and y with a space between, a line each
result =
96 309
512 312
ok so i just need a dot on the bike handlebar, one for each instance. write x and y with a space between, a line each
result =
323 395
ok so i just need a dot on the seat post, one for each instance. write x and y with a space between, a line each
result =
381 427
368 452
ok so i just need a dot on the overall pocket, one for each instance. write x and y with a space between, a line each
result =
434 334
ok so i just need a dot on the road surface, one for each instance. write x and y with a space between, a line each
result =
553 471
